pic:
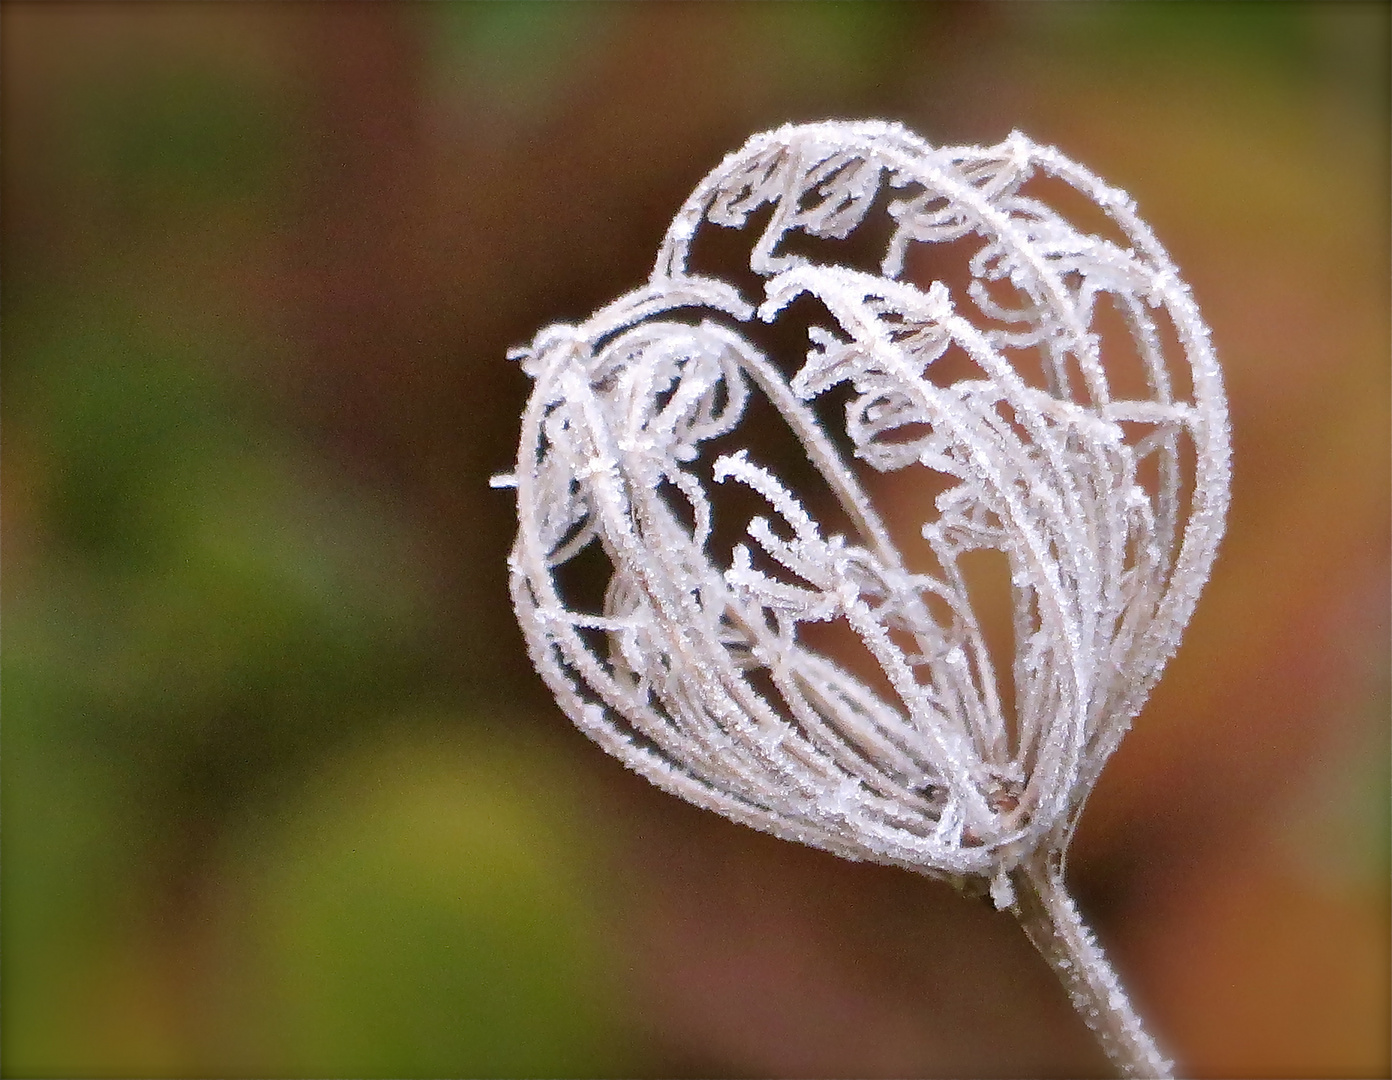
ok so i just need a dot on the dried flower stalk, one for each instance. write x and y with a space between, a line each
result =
1107 506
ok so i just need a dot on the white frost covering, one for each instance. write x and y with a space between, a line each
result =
695 673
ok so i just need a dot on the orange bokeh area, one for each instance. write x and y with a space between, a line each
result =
280 792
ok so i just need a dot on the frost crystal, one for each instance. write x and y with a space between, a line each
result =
1104 491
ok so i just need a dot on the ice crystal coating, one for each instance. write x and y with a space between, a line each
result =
1107 501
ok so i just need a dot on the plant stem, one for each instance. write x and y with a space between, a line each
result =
1051 920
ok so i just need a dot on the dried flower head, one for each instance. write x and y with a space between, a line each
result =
1067 398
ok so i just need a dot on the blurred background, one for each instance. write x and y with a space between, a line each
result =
281 795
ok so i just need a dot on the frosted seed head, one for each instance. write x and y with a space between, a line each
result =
696 669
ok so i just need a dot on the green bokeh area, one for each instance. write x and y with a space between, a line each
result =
230 845
424 918
212 615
